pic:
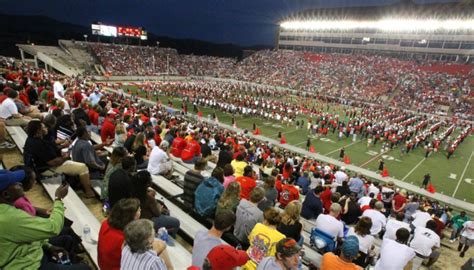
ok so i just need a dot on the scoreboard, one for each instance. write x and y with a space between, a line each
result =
119 31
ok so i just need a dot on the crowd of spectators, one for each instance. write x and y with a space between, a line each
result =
403 84
269 192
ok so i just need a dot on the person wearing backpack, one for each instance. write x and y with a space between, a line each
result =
208 192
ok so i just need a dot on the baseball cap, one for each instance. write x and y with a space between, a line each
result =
8 178
225 257
287 247
350 247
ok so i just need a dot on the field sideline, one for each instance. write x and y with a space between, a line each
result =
453 177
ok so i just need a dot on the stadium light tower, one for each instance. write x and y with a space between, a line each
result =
85 38
157 44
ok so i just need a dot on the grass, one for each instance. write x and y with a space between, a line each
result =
445 174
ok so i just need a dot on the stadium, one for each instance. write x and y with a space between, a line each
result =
348 144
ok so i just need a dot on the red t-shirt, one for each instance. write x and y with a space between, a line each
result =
93 116
107 130
288 193
399 201
192 149
247 184
109 247
157 139
326 199
178 146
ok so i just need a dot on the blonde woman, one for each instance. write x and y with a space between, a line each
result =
230 198
140 151
120 135
290 224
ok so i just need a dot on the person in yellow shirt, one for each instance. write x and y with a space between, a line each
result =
263 239
239 165
349 251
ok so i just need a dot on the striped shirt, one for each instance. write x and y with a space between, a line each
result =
148 260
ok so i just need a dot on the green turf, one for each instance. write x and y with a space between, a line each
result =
399 165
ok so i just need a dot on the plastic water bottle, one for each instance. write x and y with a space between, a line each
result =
163 234
86 233
300 263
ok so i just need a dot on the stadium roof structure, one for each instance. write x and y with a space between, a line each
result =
450 15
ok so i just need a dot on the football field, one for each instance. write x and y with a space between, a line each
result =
453 177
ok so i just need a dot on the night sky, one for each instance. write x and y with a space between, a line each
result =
243 22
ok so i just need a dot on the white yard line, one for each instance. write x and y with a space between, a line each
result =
370 160
414 168
300 143
334 151
462 175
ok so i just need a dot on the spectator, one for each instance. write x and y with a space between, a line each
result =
115 163
286 257
247 182
9 111
343 189
120 135
140 151
247 215
204 241
393 225
271 194
351 210
420 217
395 254
329 223
192 152
225 156
150 208
290 224
312 205
228 175
225 257
31 237
356 185
288 194
192 179
366 241
399 202
239 165
107 131
458 222
120 182
412 206
230 198
83 152
303 182
111 235
159 162
425 242
378 219
349 251
178 145
46 156
263 238
467 237
140 251
208 192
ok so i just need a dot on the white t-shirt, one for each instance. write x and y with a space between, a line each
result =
394 256
8 108
330 225
420 219
373 189
424 240
159 161
340 177
392 227
378 220
468 231
58 89
364 201
365 242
